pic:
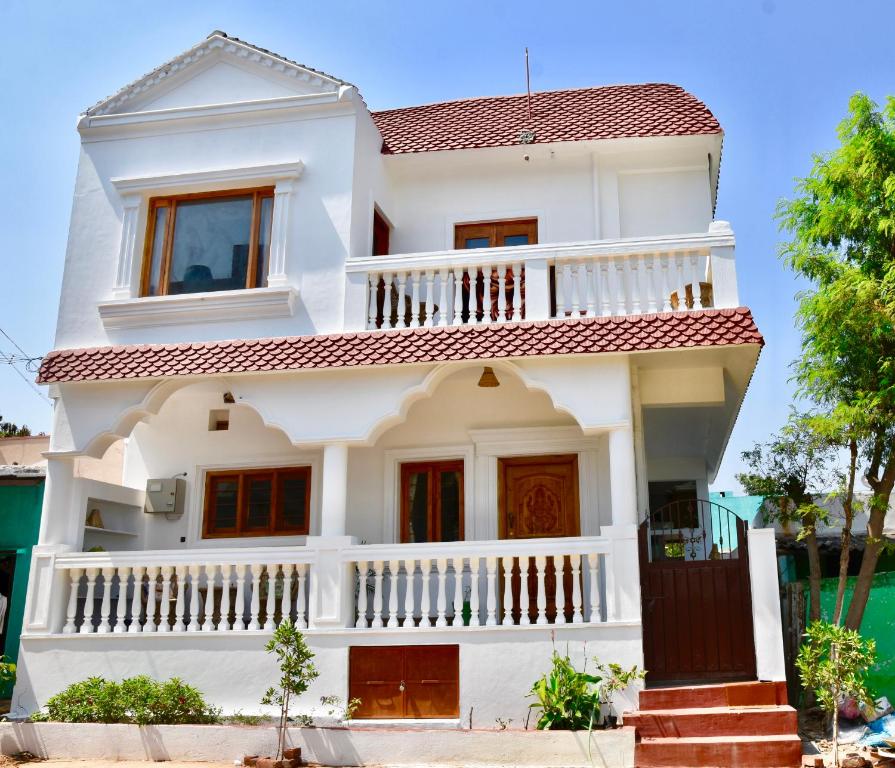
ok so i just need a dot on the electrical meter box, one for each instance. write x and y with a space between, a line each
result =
164 496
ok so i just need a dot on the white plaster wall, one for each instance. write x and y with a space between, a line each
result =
663 202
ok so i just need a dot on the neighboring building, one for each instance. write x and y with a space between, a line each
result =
369 366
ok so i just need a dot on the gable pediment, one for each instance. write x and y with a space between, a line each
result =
219 70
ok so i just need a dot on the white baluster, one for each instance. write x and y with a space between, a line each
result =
561 270
605 303
474 620
559 566
270 606
425 571
409 578
255 605
590 290
430 297
389 291
152 574
393 569
71 612
105 603
226 580
682 288
576 288
167 607
286 595
507 563
490 591
378 567
195 575
593 567
239 609
665 282
211 581
121 612
501 293
527 600
374 289
457 279
541 563
415 300
136 601
361 621
457 564
180 606
89 606
443 296
402 320
621 288
577 617
697 288
301 620
650 284
441 600
634 264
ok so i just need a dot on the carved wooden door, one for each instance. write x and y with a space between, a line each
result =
538 498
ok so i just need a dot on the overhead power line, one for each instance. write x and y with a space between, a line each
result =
31 363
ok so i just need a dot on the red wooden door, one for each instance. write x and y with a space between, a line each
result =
405 681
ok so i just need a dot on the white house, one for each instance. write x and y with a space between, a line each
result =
387 374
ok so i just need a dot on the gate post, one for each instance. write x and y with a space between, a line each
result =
623 573
767 625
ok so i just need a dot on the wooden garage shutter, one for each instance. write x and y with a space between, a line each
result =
405 681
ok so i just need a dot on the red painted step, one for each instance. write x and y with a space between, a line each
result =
720 752
753 694
714 721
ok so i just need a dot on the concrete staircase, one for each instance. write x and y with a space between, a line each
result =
733 725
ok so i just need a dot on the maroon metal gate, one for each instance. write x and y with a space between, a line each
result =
696 595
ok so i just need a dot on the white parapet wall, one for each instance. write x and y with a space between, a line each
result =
326 746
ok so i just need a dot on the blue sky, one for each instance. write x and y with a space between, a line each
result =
776 73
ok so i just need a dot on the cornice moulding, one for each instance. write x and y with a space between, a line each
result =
273 172
152 311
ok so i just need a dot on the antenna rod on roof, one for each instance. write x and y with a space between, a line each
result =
528 83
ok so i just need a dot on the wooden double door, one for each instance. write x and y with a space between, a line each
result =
538 498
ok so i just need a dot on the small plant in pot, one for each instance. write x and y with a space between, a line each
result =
297 672
615 678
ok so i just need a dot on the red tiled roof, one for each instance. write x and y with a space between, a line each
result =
671 330
607 112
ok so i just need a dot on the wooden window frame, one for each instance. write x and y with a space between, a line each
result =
496 231
170 202
381 234
434 468
276 526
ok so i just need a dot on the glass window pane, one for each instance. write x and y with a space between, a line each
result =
158 248
224 495
516 240
450 506
477 242
264 241
258 493
419 507
211 245
293 492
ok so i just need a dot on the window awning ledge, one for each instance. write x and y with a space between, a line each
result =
151 311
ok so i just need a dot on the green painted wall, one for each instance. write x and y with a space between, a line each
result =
20 507
878 622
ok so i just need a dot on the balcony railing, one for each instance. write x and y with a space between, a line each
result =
353 587
590 279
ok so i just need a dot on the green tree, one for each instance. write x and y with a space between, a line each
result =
787 471
8 429
297 672
833 663
842 227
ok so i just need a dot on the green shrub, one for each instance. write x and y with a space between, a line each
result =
140 700
568 700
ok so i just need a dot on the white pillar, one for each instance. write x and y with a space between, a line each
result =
537 289
282 199
722 267
127 247
334 496
622 477
56 521
767 625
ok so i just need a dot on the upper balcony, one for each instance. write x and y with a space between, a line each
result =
628 276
